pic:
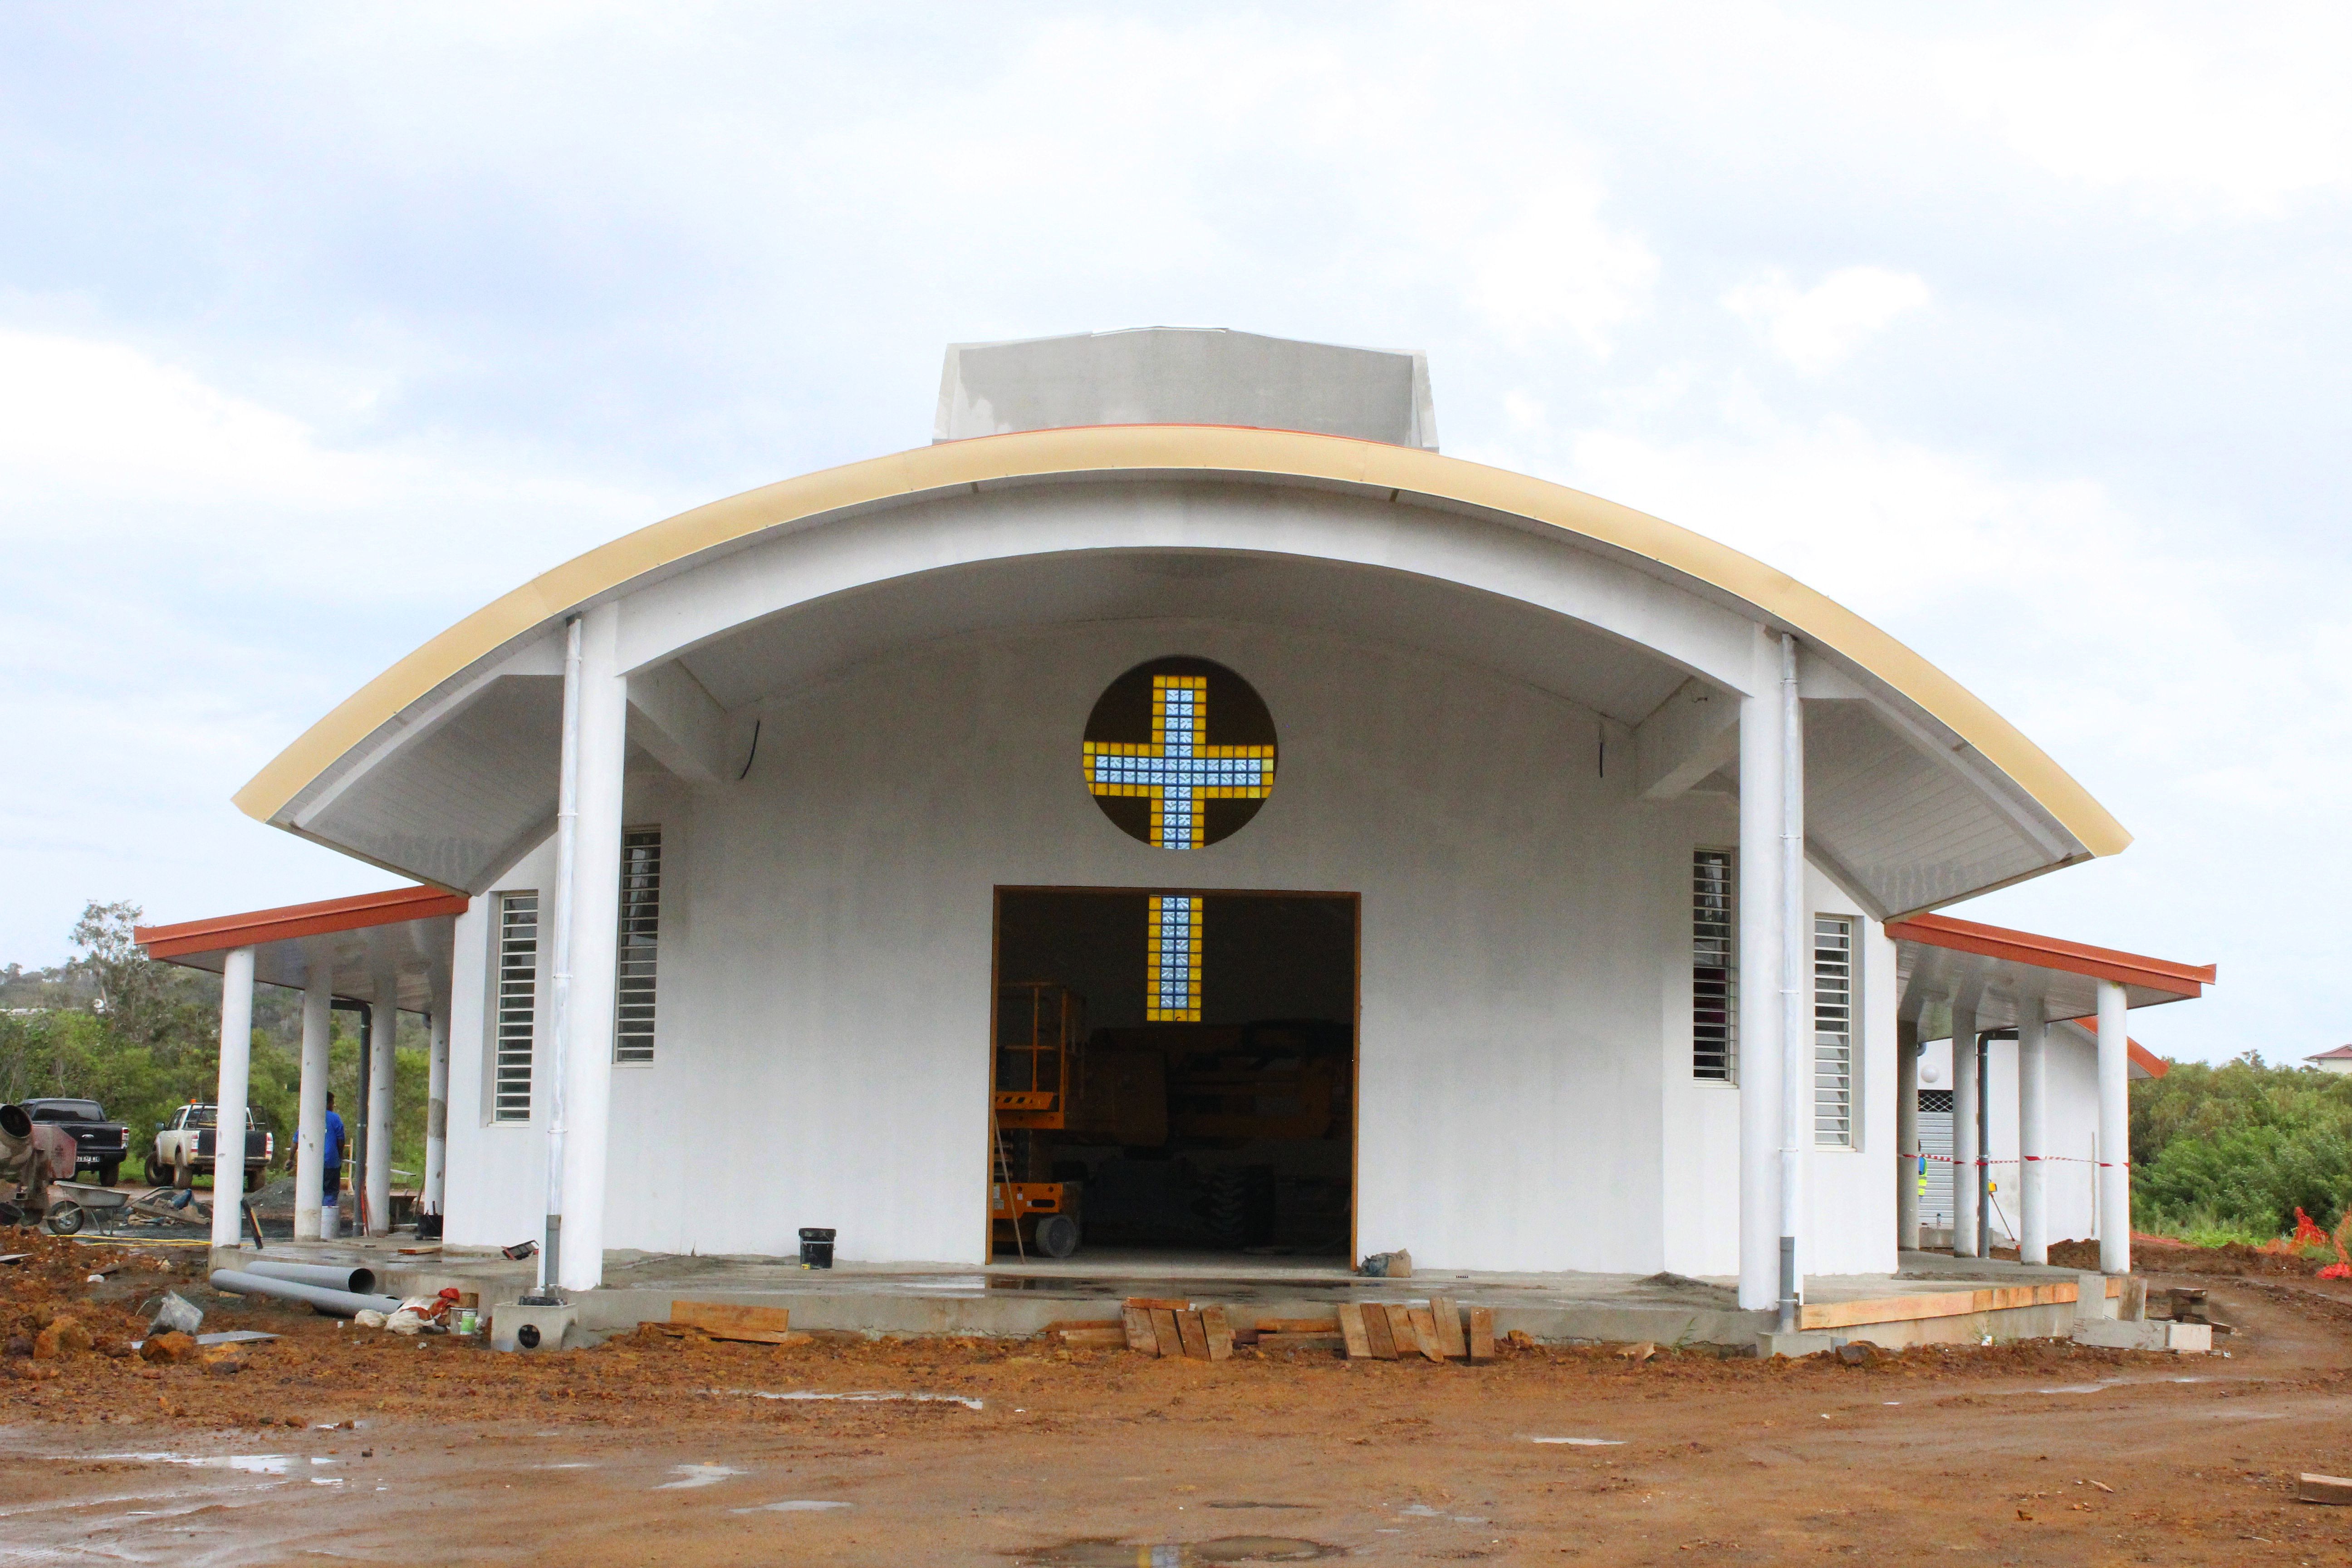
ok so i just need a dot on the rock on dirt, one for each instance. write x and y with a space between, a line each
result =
63 1338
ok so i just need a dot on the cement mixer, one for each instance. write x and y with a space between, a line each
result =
32 1155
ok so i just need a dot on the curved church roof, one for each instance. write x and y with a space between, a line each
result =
2052 819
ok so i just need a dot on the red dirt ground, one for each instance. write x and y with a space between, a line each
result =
363 1445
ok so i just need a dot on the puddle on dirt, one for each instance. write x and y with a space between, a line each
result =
1423 1510
1257 1505
860 1397
251 1464
793 1505
692 1476
2111 1382
1099 1553
1583 1442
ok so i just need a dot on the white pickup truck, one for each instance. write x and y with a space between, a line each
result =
183 1146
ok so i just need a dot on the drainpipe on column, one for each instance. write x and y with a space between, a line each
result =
1795 1072
567 833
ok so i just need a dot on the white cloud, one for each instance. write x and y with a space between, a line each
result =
2234 113
1814 328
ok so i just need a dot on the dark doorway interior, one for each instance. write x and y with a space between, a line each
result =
1233 1132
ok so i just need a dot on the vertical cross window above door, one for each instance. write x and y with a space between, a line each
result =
640 938
517 1008
1714 965
1832 1031
1172 968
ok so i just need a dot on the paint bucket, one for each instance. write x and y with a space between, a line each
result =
816 1246
469 1320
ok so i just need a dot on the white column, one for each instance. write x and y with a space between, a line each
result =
310 1106
1796 994
1761 917
235 1065
2032 1135
593 945
1906 1134
2114 1132
1965 1151
384 1018
437 1108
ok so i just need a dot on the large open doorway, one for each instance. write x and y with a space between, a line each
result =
1174 1072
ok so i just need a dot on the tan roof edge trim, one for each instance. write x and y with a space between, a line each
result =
1110 451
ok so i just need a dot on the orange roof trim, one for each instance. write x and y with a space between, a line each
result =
355 913
2054 953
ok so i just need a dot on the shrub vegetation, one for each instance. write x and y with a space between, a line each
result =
2230 1153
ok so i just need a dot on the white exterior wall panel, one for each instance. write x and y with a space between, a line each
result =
825 963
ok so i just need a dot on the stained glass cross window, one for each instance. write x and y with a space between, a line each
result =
1177 770
1172 966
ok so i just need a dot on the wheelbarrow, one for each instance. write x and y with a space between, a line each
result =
75 1205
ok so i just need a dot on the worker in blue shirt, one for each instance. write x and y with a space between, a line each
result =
332 1178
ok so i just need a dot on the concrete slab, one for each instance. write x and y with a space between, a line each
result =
2146 1334
1019 1300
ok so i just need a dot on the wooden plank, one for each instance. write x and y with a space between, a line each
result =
1424 1332
1298 1325
1353 1334
1096 1338
1324 1343
1156 1304
1140 1334
1449 1327
1195 1336
1219 1329
755 1325
1376 1332
1059 1324
1942 1304
1401 1328
2311 1486
1482 1334
1163 1329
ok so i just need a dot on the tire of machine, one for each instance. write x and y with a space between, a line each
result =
109 1173
254 1175
158 1174
1058 1234
1227 1206
64 1219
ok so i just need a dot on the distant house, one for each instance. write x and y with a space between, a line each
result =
2337 1060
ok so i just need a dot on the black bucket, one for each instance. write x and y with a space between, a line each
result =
816 1246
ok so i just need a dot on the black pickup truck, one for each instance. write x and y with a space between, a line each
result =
98 1144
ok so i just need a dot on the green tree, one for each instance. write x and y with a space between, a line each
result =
2238 1148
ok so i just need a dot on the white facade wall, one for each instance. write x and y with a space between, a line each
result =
1525 1099
2070 1178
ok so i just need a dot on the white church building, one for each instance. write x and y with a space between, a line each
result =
1377 850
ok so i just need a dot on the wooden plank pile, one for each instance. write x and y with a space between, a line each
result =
1394 1330
1371 1330
1171 1328
722 1320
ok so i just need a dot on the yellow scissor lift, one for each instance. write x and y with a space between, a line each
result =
1040 1032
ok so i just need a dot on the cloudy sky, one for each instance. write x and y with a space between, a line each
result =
2022 330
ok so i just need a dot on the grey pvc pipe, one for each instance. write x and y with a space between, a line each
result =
333 1275
335 1303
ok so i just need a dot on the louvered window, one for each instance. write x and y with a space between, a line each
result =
518 1020
1714 965
632 1023
1833 1032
